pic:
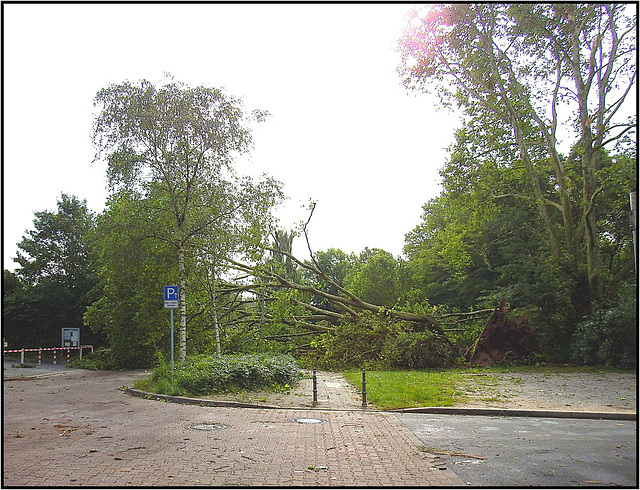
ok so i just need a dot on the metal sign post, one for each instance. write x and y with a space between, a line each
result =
171 301
171 316
633 218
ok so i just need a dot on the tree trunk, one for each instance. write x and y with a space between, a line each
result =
589 143
590 231
182 278
513 117
554 242
347 302
214 315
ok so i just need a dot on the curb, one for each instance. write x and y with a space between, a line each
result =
514 412
219 403
193 401
494 412
34 376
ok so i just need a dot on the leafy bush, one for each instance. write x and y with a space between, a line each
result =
100 359
205 374
610 335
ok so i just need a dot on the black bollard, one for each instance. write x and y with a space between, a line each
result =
315 389
364 390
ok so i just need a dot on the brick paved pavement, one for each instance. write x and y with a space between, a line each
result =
79 429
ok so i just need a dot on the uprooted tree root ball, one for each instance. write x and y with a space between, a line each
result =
503 339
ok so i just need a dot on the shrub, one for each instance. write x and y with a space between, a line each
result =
610 335
100 359
206 374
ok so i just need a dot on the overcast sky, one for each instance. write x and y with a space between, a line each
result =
343 130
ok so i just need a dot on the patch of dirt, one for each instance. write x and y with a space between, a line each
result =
598 392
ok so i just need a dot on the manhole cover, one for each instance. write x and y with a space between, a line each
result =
208 426
309 421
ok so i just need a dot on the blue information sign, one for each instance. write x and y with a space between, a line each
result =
171 299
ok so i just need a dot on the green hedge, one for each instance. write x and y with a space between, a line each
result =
207 375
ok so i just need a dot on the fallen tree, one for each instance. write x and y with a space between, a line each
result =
349 302
354 331
348 330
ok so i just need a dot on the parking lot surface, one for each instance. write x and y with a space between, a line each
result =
79 428
532 451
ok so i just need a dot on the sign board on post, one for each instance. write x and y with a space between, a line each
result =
171 299
70 337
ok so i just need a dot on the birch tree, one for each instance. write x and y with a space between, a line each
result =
180 142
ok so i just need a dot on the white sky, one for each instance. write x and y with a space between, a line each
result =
343 131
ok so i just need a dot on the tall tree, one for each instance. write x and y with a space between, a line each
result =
178 142
56 275
334 263
481 239
56 247
524 73
377 277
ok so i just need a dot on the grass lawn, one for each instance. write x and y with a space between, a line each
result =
388 390
393 389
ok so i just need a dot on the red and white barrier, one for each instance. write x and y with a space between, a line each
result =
54 349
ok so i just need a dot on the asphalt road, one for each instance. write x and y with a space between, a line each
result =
521 451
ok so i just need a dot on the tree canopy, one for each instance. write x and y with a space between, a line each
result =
524 74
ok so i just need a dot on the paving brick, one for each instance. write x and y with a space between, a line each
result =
114 439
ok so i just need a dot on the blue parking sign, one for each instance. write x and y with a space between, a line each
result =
171 298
